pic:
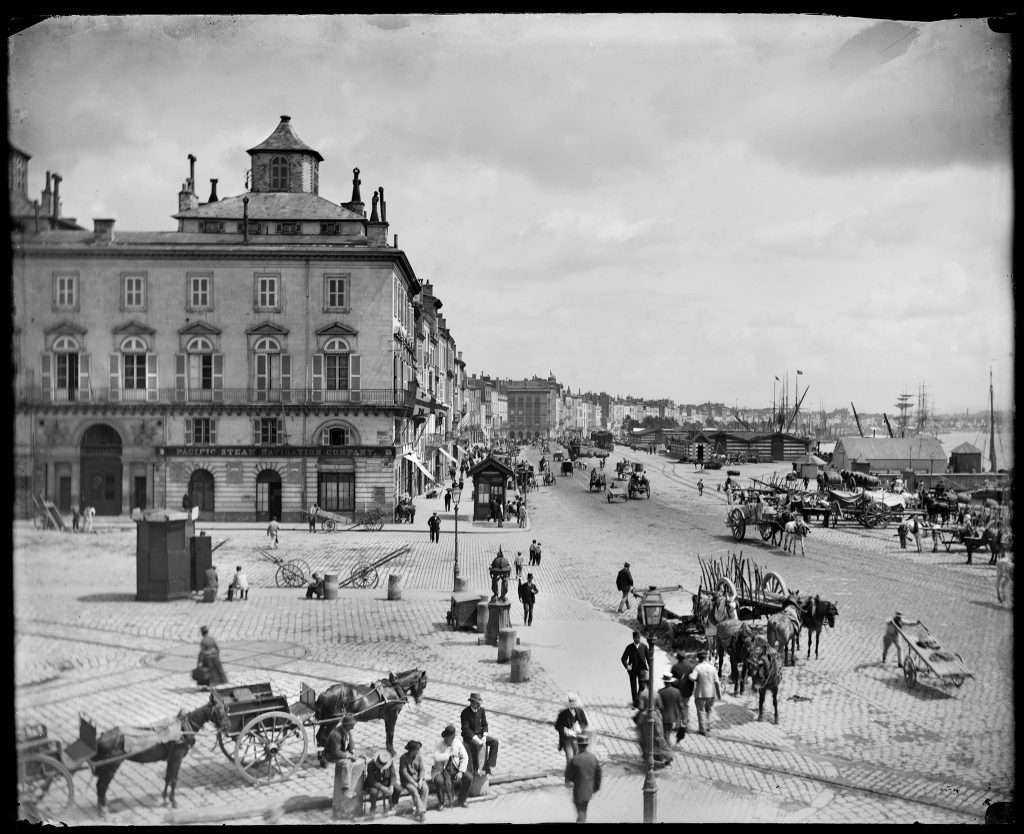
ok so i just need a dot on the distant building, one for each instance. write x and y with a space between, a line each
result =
965 458
889 454
532 407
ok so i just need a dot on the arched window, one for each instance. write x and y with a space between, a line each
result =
133 364
201 491
63 381
199 344
334 436
199 352
279 174
267 366
65 344
336 353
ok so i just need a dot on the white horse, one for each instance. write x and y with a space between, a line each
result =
794 531
1004 578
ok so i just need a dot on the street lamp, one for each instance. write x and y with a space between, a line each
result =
651 608
458 584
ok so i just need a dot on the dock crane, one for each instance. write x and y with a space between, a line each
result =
855 417
888 425
741 421
796 410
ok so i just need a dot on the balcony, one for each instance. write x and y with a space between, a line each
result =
396 397
433 441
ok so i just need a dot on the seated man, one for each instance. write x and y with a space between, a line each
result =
339 742
315 588
239 586
449 769
481 746
382 782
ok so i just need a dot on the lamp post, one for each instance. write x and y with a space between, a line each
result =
458 584
651 608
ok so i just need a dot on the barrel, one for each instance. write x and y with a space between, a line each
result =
520 665
330 586
481 616
395 586
506 642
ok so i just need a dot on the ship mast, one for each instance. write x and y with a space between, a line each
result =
991 423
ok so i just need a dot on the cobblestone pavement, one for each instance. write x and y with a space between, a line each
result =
852 743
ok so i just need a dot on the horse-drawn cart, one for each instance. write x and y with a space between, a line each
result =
757 592
616 492
755 514
924 656
371 520
45 786
367 574
598 481
859 507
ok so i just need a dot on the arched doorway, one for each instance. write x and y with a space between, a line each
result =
268 495
200 489
100 485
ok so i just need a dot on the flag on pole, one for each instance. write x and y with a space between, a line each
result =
777 379
799 372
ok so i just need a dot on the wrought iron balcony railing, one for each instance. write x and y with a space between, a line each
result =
35 395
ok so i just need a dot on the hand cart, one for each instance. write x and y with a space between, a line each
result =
924 656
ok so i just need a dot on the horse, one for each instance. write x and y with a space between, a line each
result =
794 531
765 674
110 750
383 698
404 511
736 637
784 630
567 468
1004 578
814 614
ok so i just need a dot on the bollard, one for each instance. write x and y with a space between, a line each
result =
506 642
481 615
330 586
520 665
394 586
498 617
348 788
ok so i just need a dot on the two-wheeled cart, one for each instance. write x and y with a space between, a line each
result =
367 574
924 656
371 520
291 573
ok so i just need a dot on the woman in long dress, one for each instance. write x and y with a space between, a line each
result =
209 659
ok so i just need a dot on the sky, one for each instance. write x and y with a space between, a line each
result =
683 206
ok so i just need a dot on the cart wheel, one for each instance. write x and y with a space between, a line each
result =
303 565
222 743
910 673
775 584
726 587
289 575
373 523
271 747
958 680
738 524
330 524
837 513
765 529
45 789
365 576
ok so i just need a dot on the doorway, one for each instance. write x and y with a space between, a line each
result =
268 495
101 469
200 488
139 492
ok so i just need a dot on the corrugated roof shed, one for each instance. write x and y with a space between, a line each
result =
966 449
886 448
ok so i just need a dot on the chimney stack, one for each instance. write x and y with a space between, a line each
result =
245 220
187 199
191 184
377 229
213 191
103 230
47 197
56 196
356 204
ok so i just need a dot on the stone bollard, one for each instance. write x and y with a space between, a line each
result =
481 615
506 642
347 801
394 586
520 665
330 586
498 617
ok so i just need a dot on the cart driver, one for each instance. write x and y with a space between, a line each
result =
892 636
500 571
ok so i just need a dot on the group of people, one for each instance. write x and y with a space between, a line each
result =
500 571
83 518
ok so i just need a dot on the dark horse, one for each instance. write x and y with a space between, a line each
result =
383 698
736 637
784 629
765 674
815 613
110 751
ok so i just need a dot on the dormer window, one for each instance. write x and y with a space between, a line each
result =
279 174
255 227
290 228
330 228
208 226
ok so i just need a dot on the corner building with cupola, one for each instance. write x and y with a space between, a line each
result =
261 357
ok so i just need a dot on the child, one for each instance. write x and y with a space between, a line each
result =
272 529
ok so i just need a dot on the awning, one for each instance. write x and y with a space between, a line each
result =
448 455
412 457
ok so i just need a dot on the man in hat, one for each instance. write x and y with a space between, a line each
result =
382 782
339 742
583 773
670 701
892 636
569 724
528 596
448 772
476 737
315 588
624 582
681 672
706 690
413 778
634 659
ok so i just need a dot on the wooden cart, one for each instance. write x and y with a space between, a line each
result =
924 656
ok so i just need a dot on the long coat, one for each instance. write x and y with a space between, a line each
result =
584 771
624 580
671 703
565 721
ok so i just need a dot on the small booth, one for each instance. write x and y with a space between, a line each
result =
490 478
810 466
965 458
164 555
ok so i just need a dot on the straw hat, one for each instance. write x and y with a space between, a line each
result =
474 697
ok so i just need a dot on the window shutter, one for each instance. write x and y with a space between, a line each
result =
286 378
218 377
84 389
152 384
115 377
256 432
46 378
179 378
213 431
317 391
188 431
353 378
325 437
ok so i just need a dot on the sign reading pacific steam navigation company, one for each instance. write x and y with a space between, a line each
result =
275 451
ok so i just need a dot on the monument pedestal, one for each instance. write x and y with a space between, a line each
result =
499 616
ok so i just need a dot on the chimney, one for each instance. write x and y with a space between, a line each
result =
56 196
47 197
213 191
245 220
103 230
356 204
377 229
187 199
191 173
383 206
35 205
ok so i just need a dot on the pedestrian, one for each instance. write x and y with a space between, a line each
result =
449 769
339 742
681 672
519 564
892 636
447 500
500 571
434 526
538 555
239 585
382 782
915 530
186 502
476 736
634 659
212 580
901 531
700 487
273 528
208 664
533 552
75 516
528 596
570 724
413 778
644 730
624 583
90 517
669 700
521 517
706 690
583 773
314 510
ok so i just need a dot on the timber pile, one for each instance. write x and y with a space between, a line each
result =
746 576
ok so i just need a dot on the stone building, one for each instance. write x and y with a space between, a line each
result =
261 357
